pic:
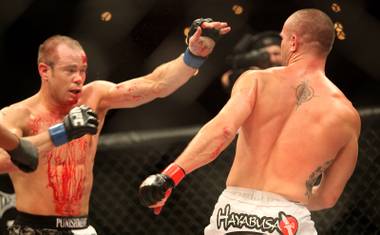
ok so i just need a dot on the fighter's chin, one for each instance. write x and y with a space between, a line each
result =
72 102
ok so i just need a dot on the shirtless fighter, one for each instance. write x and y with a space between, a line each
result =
294 125
55 198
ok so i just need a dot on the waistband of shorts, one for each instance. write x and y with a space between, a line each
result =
51 222
253 195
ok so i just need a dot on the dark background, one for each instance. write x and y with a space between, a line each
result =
145 33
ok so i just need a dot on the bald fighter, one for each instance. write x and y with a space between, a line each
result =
54 199
294 126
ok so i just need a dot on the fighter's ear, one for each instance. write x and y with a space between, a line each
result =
43 70
294 43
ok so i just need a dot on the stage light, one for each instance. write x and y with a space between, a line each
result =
335 7
340 34
237 9
106 16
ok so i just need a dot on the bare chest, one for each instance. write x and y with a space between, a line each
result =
75 153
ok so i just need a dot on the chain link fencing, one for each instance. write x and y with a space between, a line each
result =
124 160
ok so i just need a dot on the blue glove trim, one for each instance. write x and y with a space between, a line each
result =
193 60
58 134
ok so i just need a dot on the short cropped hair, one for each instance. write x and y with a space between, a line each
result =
314 27
47 50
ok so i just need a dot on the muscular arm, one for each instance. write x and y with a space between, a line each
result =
41 141
164 80
5 162
335 178
218 133
8 140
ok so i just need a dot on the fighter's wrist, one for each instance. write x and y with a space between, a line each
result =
175 172
192 60
58 134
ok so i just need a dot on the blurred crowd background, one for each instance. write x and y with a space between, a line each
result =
126 39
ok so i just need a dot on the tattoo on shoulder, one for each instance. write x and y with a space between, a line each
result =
315 176
304 93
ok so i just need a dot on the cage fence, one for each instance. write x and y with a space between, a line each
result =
124 160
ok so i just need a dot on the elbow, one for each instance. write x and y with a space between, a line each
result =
224 134
228 132
223 130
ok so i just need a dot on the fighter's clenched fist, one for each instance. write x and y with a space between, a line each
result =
78 122
156 189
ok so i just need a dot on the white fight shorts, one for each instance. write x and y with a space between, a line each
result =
244 211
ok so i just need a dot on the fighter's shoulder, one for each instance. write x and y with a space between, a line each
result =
97 85
246 79
18 112
347 114
262 74
259 76
353 117
97 88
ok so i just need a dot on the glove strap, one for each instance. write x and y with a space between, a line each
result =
192 60
58 134
175 172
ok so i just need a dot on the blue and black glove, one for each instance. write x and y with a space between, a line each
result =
206 32
78 122
190 59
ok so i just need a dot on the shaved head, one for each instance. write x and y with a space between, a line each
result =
314 28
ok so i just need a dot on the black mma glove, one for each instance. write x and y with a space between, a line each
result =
25 156
78 122
158 187
206 32
189 58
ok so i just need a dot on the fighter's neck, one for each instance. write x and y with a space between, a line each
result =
307 63
51 106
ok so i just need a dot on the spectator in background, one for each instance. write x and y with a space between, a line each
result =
259 51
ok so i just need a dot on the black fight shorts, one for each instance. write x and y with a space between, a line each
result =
28 224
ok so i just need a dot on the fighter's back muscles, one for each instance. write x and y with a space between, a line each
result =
333 136
288 151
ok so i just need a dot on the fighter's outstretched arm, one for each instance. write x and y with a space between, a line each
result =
206 146
166 78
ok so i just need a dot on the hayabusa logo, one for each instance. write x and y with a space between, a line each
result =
240 220
288 224
284 224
